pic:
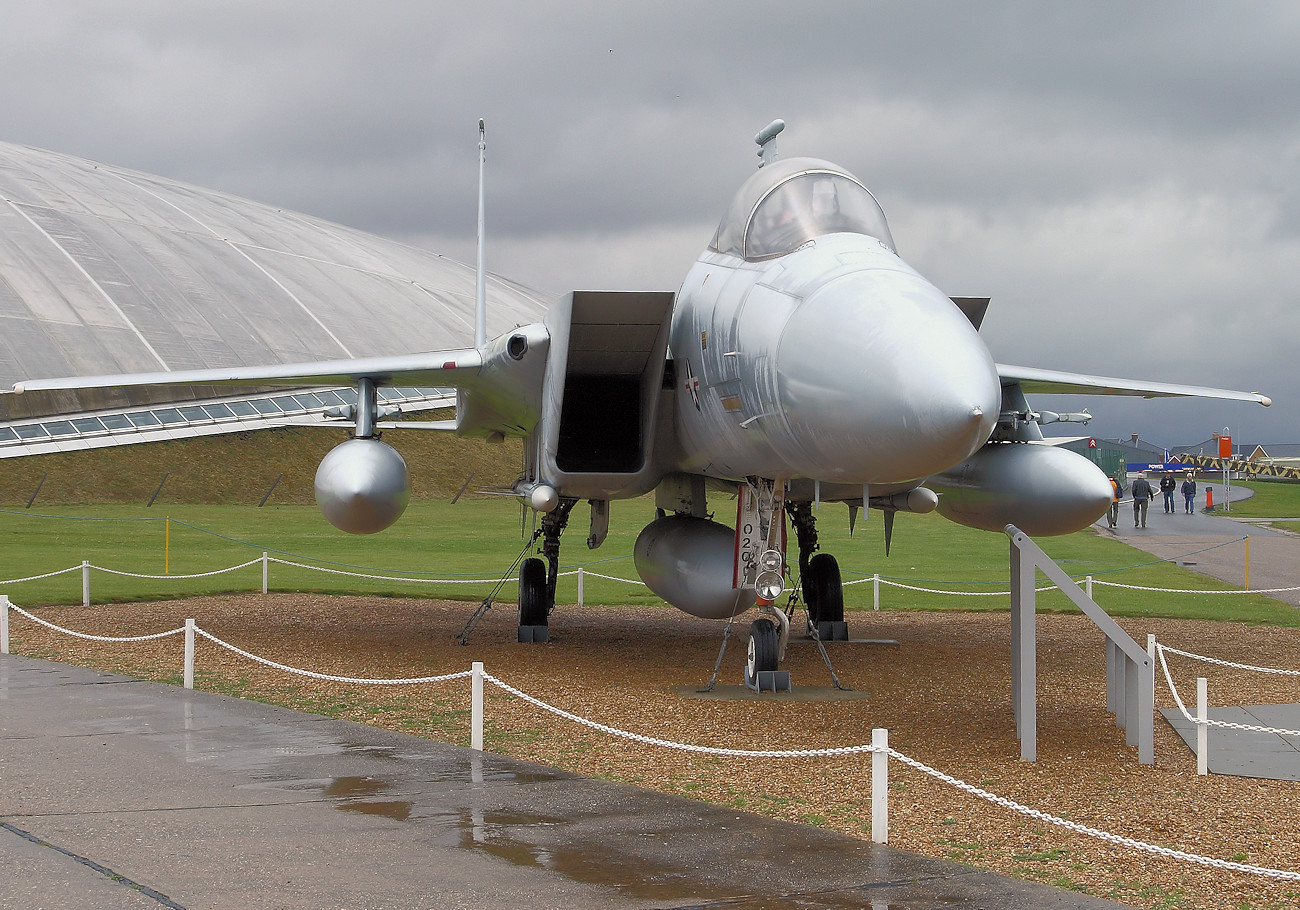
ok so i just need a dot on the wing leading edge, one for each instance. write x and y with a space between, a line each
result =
1031 379
455 368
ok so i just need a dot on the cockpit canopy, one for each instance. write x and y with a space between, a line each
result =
791 201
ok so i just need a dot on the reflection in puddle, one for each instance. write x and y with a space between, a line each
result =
523 839
394 809
344 787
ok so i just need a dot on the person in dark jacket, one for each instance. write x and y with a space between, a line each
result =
1167 487
1189 494
1142 496
1117 493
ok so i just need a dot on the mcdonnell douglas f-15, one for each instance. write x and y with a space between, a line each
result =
802 361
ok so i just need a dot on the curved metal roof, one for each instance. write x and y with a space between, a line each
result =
108 270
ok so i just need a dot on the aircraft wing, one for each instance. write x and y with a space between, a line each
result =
1031 379
453 368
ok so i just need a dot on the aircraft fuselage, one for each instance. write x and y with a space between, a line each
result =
835 362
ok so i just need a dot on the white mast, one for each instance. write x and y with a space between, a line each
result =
480 287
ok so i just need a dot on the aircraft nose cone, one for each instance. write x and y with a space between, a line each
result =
882 380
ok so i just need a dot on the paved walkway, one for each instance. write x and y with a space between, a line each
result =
117 793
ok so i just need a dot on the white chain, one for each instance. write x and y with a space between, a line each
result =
347 679
587 573
50 625
668 744
1228 663
242 565
431 581
897 584
1228 725
1095 832
14 581
1116 584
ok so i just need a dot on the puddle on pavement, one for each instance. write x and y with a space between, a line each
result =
506 835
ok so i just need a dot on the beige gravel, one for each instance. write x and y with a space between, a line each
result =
943 693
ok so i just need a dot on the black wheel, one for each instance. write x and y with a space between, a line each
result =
824 590
533 600
763 647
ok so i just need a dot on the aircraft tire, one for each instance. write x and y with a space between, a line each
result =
533 606
763 647
825 590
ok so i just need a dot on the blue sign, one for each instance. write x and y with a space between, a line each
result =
1141 466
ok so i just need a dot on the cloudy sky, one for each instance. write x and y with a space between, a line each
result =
1121 178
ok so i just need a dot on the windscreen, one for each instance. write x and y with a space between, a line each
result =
810 205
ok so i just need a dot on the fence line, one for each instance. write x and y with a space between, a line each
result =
879 748
582 573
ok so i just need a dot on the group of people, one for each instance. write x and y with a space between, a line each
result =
1143 493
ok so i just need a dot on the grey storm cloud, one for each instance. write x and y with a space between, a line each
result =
1119 177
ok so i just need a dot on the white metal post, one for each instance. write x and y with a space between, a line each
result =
880 786
1202 728
4 624
189 654
85 582
476 708
875 591
265 570
1087 586
579 585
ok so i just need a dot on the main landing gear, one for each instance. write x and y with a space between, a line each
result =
823 588
537 578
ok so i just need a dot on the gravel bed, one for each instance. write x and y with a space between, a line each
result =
943 691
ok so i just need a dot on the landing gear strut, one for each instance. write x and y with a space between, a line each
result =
537 578
823 588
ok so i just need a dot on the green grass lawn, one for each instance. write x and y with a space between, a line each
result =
1272 499
480 538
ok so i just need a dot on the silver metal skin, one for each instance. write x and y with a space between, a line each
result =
1041 489
837 362
688 562
362 486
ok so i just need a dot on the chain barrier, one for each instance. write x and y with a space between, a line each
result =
431 581
627 581
14 581
242 565
1116 584
88 637
363 681
1002 801
1228 663
1117 839
1225 724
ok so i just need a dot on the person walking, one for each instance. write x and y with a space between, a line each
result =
1142 496
1189 494
1167 487
1117 492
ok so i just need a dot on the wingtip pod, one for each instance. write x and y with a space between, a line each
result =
1265 400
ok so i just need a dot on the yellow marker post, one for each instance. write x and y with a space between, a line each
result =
1247 562
167 546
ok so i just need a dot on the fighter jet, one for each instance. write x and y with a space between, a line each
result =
801 362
